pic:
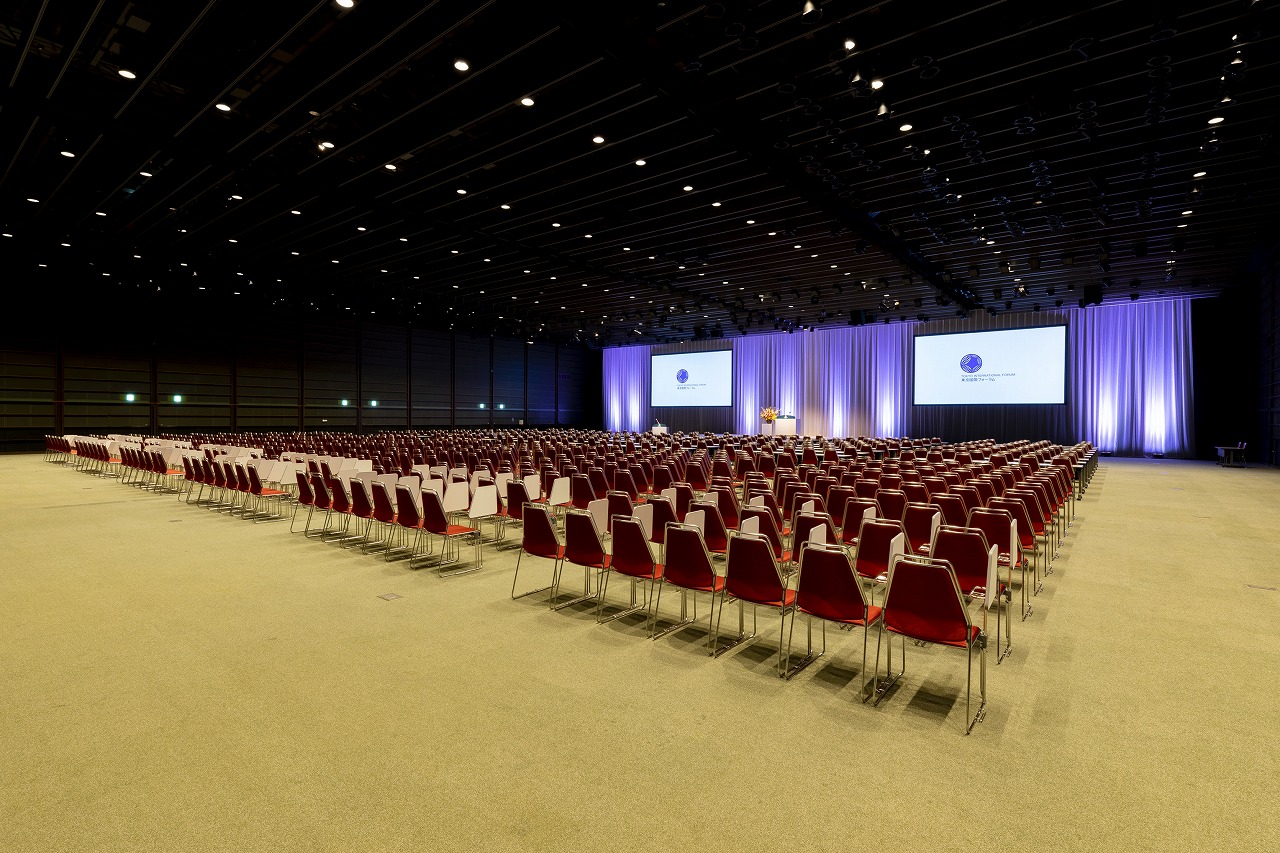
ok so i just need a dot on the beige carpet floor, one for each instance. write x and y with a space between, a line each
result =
172 679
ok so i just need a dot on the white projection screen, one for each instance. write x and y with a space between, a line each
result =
1005 367
691 379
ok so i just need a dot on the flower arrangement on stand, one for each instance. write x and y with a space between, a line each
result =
768 414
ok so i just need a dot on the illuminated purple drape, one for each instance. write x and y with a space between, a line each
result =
1129 382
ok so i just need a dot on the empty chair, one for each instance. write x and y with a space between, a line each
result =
952 508
619 503
879 542
539 540
916 492
663 514
752 577
686 565
305 498
920 522
866 488
767 526
583 547
923 602
633 559
581 491
716 532
804 525
856 511
976 567
728 503
828 589
599 484
436 522
408 516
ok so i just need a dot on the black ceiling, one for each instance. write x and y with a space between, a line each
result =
1052 147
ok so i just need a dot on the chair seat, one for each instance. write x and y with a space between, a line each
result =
459 530
873 613
270 492
657 573
716 586
974 631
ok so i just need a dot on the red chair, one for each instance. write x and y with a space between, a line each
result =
632 558
434 521
408 517
581 492
828 589
305 498
686 565
952 508
893 502
752 577
323 501
856 511
618 504
258 492
728 503
715 533
920 522
976 566
362 510
879 542
539 540
923 602
768 527
663 514
804 525
383 512
582 547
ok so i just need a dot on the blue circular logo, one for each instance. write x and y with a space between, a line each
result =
682 376
971 363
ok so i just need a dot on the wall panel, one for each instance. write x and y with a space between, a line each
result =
431 372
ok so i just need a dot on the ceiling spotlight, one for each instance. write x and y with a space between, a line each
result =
505 206
877 83
849 45
34 200
325 146
462 65
639 162
226 108
810 13
98 213
462 192
883 112
390 167
715 204
688 189
296 212
127 74
66 154
1186 213
526 101
145 174
555 224
905 128
346 4
1199 174
598 140
1216 120
238 197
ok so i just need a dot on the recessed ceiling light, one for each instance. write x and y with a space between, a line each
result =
526 271
1186 213
296 212
293 253
68 245
715 204
326 145
773 233
145 174
639 162
390 167
526 101
797 245
687 188
555 224
751 222
404 239
453 251
333 262
233 241
849 44
226 108
126 74
991 242
461 65
462 192
346 4
238 197
1216 120
1183 225
598 140
505 206
315 113
877 83
1199 174
905 128
588 236
626 248
66 154
98 213
361 228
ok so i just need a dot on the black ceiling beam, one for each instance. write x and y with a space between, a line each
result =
628 40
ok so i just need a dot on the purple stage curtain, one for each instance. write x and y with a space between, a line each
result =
1129 382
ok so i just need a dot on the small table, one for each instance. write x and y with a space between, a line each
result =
1231 457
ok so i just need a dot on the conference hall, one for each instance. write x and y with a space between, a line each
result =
645 424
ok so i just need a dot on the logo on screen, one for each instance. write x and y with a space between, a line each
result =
971 363
682 376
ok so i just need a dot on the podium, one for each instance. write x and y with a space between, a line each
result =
658 430
785 425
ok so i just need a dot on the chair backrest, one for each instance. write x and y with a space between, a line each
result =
752 573
952 507
970 558
879 541
972 499
306 497
920 522
361 500
715 533
664 512
631 553
893 502
559 494
767 526
484 503
434 519
685 559
828 586
923 602
1018 510
619 504
582 543
539 537
804 524
323 499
